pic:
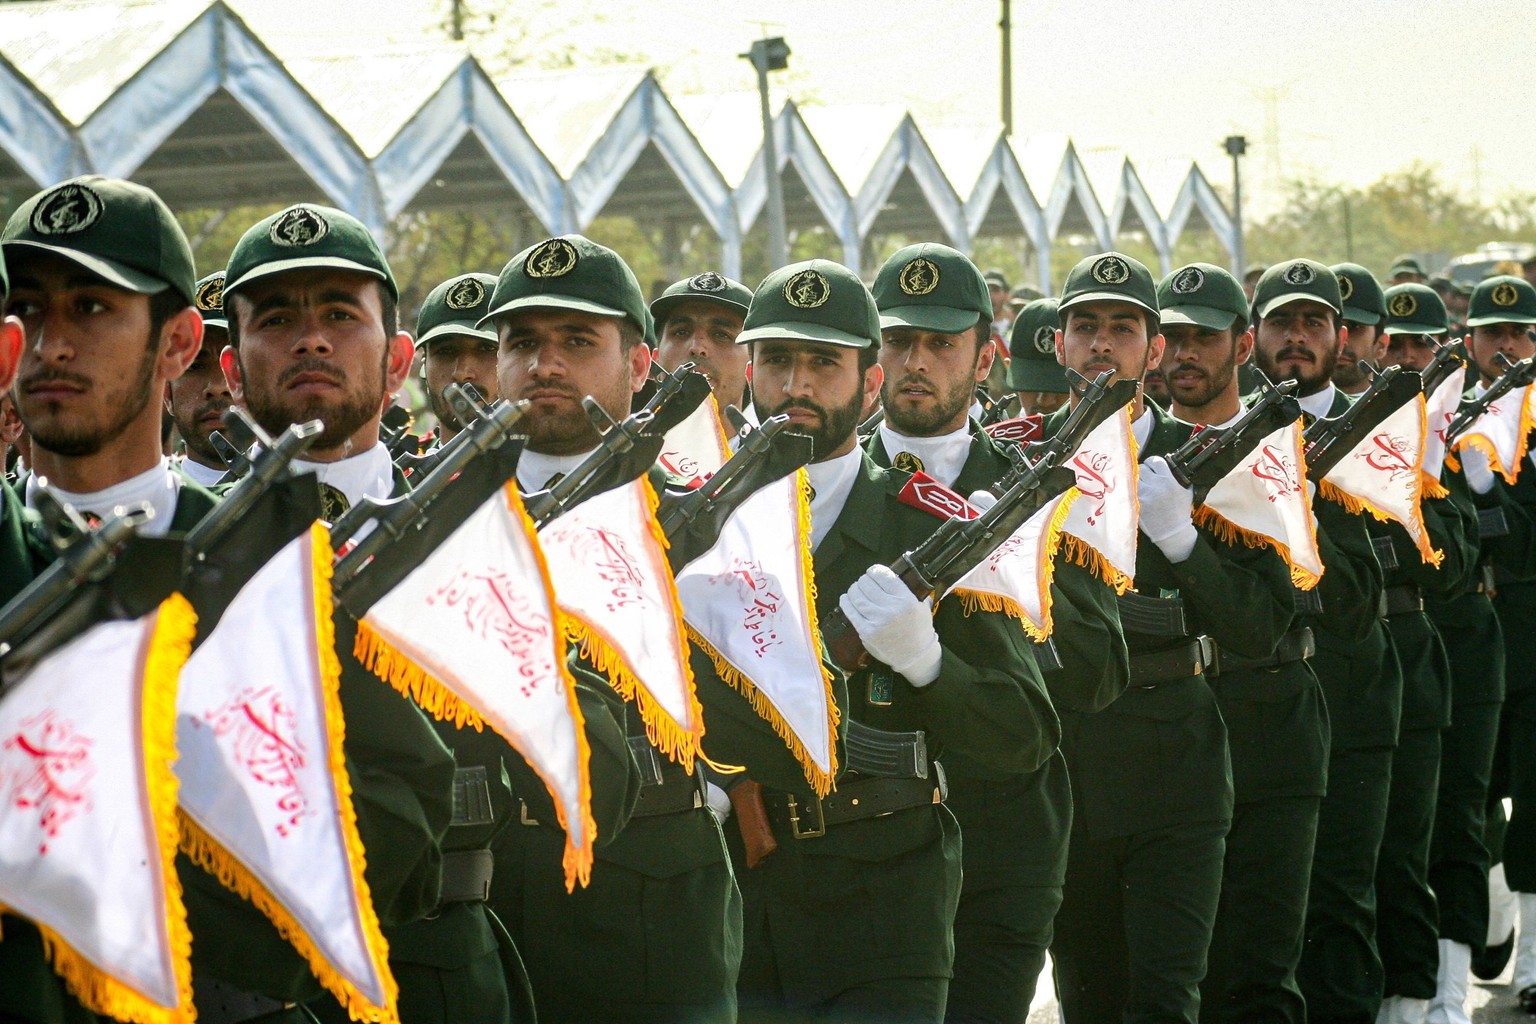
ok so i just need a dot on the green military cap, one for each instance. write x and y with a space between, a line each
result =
933 288
1360 294
995 278
208 297
1254 270
456 307
1415 309
1294 280
572 272
708 286
816 300
1109 276
1502 300
1405 264
1204 295
306 237
1022 295
1032 364
120 231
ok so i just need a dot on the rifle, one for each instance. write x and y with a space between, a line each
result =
1209 455
393 518
959 545
1328 440
691 520
1002 409
872 424
469 406
1515 375
1448 356
626 448
270 463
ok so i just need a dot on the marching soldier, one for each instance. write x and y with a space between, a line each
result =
850 918
697 320
1364 342
198 398
934 349
1032 367
1152 781
1277 724
454 348
1299 336
1500 315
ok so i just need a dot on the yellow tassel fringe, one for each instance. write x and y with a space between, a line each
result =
1230 533
975 600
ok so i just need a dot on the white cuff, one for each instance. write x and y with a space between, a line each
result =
924 668
1179 544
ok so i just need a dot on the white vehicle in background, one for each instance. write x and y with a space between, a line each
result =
1471 268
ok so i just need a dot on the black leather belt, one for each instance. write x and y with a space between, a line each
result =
1491 522
221 1003
466 876
1402 599
1386 553
1297 645
856 799
1306 602
1189 658
1153 616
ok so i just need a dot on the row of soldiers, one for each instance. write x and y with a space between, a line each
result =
1212 797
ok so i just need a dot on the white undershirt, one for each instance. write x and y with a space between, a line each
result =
1222 426
368 475
205 476
832 481
159 486
1317 405
535 468
1142 427
943 457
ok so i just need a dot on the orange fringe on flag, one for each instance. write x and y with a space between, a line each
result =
1087 556
1229 532
1482 444
974 600
209 854
1416 529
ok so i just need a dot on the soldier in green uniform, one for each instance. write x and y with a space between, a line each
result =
657 934
1151 780
935 347
849 919
1299 336
1500 315
1277 725
1406 917
198 398
697 320
454 348
1032 367
1364 340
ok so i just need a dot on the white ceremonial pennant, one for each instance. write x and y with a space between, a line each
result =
1263 501
1102 526
696 447
1016 578
88 827
1439 409
1503 431
473 635
265 795
1384 475
749 602
608 559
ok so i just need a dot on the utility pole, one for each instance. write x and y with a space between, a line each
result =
1236 146
771 55
457 14
1007 28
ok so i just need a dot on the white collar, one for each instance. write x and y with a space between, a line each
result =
370 474
1480 389
1142 427
943 457
158 485
534 469
1224 425
832 481
1317 405
203 476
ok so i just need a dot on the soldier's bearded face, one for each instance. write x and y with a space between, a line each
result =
199 397
1484 343
819 386
1413 351
458 359
554 358
1300 341
930 378
1108 335
313 345
1199 363
704 333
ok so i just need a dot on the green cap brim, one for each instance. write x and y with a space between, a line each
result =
662 307
943 319
1037 375
468 327
1209 317
797 330
1290 297
1501 318
308 263
216 321
1356 315
113 273
1078 300
550 302
1404 327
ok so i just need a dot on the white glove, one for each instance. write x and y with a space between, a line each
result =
1166 509
894 625
1477 469
719 801
982 500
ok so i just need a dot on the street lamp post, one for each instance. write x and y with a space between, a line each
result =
1237 145
771 55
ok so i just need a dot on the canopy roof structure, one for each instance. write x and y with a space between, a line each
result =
184 96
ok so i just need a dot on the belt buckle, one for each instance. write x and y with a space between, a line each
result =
820 828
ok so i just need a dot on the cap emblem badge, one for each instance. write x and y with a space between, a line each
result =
918 277
554 257
1346 287
466 294
299 226
1190 279
1045 339
210 297
1111 270
1505 294
907 462
1403 304
1299 274
709 281
66 210
807 289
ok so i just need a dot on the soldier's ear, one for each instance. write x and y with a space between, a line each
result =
1242 349
182 337
398 365
12 338
229 361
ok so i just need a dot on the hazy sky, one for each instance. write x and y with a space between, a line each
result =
1355 87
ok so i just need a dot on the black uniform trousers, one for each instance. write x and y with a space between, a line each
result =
1516 771
1407 919
1459 859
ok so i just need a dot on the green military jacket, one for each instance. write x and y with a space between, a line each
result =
1514 558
